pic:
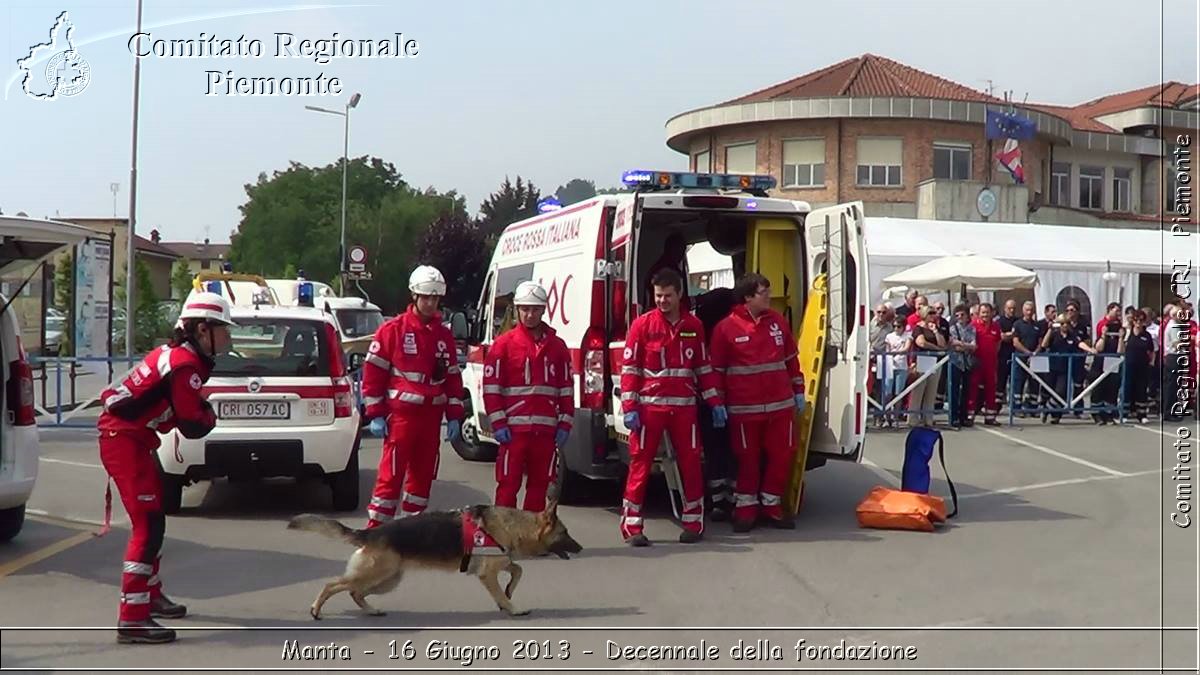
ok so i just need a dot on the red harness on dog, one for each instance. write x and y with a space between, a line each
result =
476 541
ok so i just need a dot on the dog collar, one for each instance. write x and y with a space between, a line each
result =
476 541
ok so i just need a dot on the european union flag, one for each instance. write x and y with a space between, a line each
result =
1009 125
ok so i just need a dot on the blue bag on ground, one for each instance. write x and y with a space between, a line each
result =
918 451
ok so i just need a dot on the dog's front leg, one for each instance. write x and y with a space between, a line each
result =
514 572
331 588
488 577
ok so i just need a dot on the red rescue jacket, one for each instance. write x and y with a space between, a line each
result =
162 393
527 382
757 362
412 368
663 363
987 341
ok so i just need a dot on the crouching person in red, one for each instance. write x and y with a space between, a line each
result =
755 357
665 357
161 394
529 400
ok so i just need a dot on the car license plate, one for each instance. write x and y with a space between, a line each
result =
254 410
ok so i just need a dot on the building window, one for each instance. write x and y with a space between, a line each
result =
702 162
1172 178
804 163
1091 187
740 159
952 161
1122 189
879 161
1060 184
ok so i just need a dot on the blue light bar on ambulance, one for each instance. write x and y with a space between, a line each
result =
304 294
214 287
549 204
664 179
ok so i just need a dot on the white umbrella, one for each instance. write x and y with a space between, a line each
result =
976 272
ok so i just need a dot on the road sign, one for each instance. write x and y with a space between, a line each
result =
358 259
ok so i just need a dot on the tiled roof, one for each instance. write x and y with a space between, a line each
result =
868 75
198 250
144 244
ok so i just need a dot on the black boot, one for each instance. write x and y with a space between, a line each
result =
143 632
162 608
638 540
719 512
689 537
783 523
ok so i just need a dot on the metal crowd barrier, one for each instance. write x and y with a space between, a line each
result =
940 361
1071 403
67 372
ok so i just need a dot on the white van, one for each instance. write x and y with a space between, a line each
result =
595 258
21 240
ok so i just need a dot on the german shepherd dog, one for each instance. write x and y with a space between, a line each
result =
436 540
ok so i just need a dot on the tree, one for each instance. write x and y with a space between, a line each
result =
181 278
149 325
290 272
576 190
506 206
64 281
457 247
294 217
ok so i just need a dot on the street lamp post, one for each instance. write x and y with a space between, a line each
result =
353 102
131 248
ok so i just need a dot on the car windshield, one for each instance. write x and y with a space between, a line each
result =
359 322
282 347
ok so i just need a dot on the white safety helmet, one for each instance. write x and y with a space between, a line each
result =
427 280
208 306
529 294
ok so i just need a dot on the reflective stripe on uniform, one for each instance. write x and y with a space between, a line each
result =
452 402
670 372
628 505
566 391
154 581
454 370
132 567
136 598
415 500
410 375
631 370
691 517
164 362
564 419
704 370
669 400
385 503
764 408
742 499
632 520
708 393
755 369
496 416
629 396
526 390
687 506
533 419
378 361
372 400
770 499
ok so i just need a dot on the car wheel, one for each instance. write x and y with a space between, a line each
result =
471 447
11 521
172 493
344 485
567 483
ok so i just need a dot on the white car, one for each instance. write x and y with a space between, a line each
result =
19 449
284 406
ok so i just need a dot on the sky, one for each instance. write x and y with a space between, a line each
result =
547 90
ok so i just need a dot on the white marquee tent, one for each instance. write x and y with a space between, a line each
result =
1060 255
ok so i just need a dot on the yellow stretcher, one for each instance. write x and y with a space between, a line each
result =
811 341
773 246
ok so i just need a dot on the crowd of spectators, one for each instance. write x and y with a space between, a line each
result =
1064 365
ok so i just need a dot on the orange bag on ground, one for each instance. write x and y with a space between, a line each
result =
888 509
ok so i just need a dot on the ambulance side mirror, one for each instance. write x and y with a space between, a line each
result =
459 326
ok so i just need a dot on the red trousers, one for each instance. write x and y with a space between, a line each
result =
407 466
680 423
130 462
983 374
756 437
531 456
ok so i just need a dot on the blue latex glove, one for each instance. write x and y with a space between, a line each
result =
632 421
719 417
800 403
453 430
504 436
560 438
378 427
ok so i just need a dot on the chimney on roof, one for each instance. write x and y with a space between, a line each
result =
154 236
206 241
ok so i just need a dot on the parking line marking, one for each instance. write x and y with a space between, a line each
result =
52 460
880 471
64 521
1056 453
1056 483
44 552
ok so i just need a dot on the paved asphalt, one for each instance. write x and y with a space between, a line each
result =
1061 534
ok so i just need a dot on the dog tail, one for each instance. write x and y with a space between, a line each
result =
329 527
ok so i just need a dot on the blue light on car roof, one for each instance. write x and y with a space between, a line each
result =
214 287
305 294
663 179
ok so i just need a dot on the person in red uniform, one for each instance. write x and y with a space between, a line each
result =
665 357
529 400
160 394
757 363
411 378
987 355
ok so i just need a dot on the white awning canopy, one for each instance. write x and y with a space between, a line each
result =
979 273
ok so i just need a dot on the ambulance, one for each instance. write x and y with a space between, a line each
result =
595 259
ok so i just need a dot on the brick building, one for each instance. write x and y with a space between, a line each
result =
911 144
